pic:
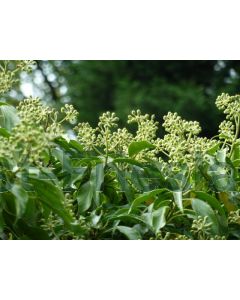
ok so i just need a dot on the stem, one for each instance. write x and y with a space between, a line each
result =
95 149
165 153
189 137
60 122
237 122
106 144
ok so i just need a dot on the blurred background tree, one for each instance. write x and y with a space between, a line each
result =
187 87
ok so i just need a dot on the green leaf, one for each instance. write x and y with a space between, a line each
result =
204 209
63 159
159 218
177 195
129 161
97 179
91 189
76 145
130 233
52 197
21 199
4 133
26 230
136 147
213 150
1 223
216 205
212 201
139 179
85 196
145 197
221 156
236 152
8 116
63 143
236 163
122 177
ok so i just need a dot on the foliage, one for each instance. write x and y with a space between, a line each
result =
108 182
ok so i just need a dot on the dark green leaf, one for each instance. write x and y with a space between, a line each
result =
212 201
85 196
21 199
145 197
130 233
51 196
129 161
126 188
96 180
75 145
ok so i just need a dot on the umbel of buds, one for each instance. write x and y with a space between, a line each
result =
9 71
180 144
35 132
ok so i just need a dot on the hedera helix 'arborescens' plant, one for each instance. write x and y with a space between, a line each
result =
113 183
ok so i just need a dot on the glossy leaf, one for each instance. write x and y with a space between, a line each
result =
85 196
51 196
8 116
204 209
21 199
75 145
130 233
212 201
136 147
145 197
177 195
159 218
96 179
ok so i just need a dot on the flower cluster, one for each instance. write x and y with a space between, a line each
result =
170 236
101 136
120 140
227 131
201 228
4 147
181 144
174 124
28 143
32 110
110 139
107 122
9 71
7 80
230 128
25 65
234 217
34 134
230 105
70 113
86 136
147 126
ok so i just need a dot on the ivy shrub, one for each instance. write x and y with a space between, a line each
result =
110 183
